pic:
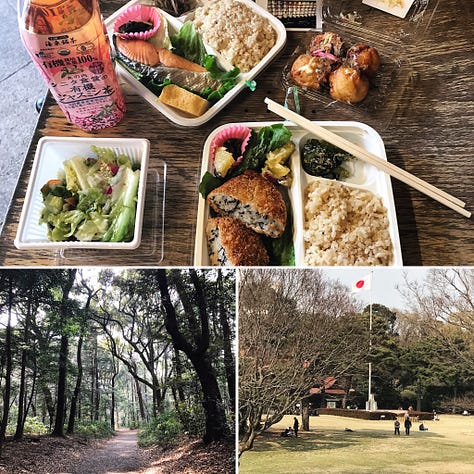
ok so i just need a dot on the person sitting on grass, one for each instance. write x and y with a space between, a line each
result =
422 427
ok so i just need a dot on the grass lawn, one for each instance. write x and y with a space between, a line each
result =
446 448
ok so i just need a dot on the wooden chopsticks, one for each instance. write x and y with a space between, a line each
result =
320 132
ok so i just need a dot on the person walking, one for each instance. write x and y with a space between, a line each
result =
407 425
396 425
296 425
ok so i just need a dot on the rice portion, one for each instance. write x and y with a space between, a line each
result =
345 226
239 34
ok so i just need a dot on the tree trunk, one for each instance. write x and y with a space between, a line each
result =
253 428
112 403
94 382
229 362
178 366
9 367
77 388
305 414
131 410
22 393
63 358
62 379
30 404
216 423
48 401
157 395
141 405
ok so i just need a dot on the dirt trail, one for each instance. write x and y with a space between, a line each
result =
119 455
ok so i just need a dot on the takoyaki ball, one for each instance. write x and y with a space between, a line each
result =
309 71
327 43
348 85
365 58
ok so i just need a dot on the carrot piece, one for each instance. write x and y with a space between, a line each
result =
54 182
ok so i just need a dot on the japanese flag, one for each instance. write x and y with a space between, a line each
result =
362 283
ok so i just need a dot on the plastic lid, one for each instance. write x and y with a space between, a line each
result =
363 15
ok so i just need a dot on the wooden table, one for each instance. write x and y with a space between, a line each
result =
429 133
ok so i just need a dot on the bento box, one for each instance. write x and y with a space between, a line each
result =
211 94
359 181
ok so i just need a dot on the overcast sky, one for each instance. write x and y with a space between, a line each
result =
384 282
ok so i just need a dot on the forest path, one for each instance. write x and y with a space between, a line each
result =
119 455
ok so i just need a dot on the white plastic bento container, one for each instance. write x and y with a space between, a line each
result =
364 176
50 155
174 24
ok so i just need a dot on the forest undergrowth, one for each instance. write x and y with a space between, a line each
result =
51 455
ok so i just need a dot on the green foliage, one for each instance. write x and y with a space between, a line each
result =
161 431
32 426
192 419
133 425
98 429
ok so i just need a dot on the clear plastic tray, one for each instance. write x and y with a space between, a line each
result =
49 158
385 90
357 15
174 24
364 176
407 16
354 21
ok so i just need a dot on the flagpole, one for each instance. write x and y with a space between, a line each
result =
369 399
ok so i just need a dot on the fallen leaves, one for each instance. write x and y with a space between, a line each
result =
47 455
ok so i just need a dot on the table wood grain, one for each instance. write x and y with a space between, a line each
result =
427 129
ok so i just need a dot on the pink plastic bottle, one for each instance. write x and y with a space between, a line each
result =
67 42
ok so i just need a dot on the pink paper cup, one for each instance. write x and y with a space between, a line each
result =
235 131
138 13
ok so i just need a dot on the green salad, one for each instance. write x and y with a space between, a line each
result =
92 199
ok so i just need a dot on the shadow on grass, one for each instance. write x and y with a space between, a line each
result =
326 439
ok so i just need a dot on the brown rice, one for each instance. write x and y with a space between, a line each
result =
345 226
240 35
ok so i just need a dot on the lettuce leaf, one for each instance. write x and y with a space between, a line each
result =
188 43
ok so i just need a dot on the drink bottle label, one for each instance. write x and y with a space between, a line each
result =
79 72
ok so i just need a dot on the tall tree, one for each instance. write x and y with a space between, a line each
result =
384 355
190 309
8 284
65 284
445 297
295 329
229 360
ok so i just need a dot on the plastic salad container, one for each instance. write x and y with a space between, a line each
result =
50 156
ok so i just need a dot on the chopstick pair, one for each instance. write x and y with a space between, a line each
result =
437 194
